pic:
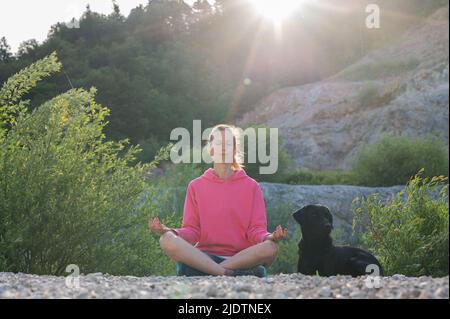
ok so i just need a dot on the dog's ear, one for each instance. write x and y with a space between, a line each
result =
329 216
300 215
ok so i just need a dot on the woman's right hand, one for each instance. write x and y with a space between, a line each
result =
155 226
278 234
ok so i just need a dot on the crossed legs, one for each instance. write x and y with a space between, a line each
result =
180 250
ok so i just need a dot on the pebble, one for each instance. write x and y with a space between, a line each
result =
246 288
325 292
212 291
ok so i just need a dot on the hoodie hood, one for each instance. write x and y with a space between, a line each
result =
237 175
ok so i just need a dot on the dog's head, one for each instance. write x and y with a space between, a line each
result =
315 220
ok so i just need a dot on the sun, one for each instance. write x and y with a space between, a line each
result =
276 10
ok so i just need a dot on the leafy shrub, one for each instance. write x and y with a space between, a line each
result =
310 177
284 161
279 213
394 159
164 197
287 259
180 174
409 236
67 196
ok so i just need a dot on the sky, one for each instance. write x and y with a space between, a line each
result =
22 20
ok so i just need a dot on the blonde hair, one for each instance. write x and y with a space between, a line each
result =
238 157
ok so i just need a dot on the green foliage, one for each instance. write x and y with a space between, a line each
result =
287 259
179 175
394 159
150 146
409 235
253 169
310 177
164 197
281 214
390 161
5 50
15 87
67 195
138 252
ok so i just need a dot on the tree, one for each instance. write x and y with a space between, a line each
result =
5 51
116 14
27 47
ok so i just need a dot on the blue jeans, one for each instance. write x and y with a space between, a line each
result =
185 270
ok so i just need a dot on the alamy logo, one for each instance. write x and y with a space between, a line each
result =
373 19
73 280
258 151
373 280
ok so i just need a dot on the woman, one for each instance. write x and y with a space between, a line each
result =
224 215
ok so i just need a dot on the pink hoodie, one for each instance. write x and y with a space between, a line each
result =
223 216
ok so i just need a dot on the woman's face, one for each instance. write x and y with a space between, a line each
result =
221 147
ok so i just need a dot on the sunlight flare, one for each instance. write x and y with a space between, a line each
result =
276 10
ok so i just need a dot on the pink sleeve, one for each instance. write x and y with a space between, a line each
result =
190 229
258 225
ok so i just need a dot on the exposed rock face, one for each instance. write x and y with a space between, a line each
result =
402 88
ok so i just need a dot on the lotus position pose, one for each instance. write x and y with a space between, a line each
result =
224 217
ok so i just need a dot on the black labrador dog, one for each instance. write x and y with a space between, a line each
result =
317 252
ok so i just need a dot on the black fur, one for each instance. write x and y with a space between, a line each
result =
316 249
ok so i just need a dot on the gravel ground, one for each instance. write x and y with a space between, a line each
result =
285 286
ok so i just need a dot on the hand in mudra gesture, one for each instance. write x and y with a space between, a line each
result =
155 225
278 234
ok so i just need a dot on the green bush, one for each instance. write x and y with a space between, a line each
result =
281 214
164 197
394 159
410 232
179 175
310 177
284 161
67 196
287 259
150 147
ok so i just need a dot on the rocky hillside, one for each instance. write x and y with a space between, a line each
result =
402 88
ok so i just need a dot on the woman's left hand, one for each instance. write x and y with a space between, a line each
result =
278 234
